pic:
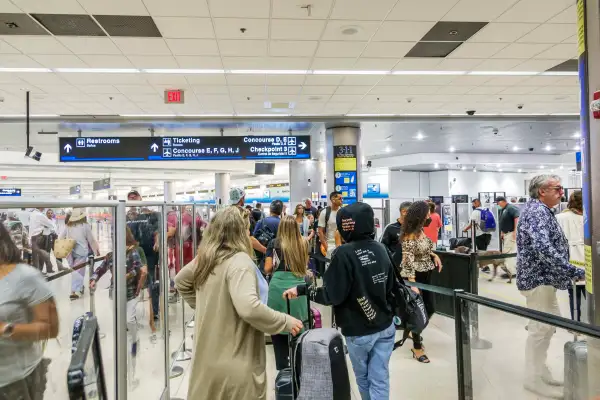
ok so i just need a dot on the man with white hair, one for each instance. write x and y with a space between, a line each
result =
308 206
543 267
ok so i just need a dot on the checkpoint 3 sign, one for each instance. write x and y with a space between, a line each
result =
184 148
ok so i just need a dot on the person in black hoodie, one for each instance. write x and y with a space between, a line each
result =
357 284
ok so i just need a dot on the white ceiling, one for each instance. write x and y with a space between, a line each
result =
523 35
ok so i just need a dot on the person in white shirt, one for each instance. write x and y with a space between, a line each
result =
328 224
40 229
482 239
571 222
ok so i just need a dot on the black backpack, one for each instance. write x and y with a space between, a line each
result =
265 235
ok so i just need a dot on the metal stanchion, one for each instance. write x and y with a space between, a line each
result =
91 263
477 343
183 354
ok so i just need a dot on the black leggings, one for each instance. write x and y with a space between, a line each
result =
281 349
428 300
579 293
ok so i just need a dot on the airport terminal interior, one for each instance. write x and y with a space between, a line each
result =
114 111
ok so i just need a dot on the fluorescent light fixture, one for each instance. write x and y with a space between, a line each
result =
515 148
498 165
436 165
474 169
204 115
542 167
559 73
189 71
500 170
269 71
520 170
566 114
504 73
451 149
25 70
429 72
561 167
463 168
321 150
577 147
348 72
370 115
388 149
263 115
548 147
577 135
146 115
98 70
420 136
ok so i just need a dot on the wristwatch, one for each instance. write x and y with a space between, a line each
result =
8 330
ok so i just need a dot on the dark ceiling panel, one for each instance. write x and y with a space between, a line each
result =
567 66
452 31
432 49
70 24
20 24
128 25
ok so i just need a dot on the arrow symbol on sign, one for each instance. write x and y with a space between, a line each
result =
302 145
68 148
154 147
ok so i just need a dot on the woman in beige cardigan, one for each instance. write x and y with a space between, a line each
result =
222 285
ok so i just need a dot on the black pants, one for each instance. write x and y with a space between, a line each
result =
579 293
281 348
483 241
428 300
153 277
39 244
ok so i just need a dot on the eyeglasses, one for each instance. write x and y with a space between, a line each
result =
557 188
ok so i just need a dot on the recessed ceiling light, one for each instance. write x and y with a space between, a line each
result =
548 147
463 168
436 165
562 167
577 135
498 165
452 149
577 147
474 169
388 149
420 136
321 150
315 98
552 170
500 170
515 148
520 170
542 167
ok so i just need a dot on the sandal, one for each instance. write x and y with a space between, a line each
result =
423 359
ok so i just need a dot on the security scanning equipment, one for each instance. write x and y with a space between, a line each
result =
35 155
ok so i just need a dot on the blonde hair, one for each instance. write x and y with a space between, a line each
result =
293 246
226 236
296 209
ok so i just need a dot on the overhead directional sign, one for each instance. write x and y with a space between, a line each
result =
181 148
10 192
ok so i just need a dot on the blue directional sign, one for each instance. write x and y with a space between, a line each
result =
345 178
373 188
10 192
182 148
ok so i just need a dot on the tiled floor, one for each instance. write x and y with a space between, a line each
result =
497 372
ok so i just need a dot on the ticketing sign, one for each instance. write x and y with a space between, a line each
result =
10 192
184 148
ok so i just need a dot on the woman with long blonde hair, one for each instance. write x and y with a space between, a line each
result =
222 285
286 260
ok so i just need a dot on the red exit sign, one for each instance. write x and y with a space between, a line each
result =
174 96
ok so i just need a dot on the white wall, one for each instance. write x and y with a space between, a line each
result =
438 183
406 184
375 175
471 183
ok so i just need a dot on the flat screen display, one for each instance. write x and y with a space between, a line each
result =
264 169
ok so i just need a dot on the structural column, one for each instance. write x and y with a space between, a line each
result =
169 192
222 186
94 195
588 19
306 177
343 161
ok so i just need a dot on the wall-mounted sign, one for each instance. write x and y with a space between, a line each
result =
174 96
102 184
182 148
10 192
278 185
75 189
373 188
252 187
345 173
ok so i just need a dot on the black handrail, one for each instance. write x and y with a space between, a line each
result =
68 271
535 315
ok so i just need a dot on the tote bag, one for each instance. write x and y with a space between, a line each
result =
64 247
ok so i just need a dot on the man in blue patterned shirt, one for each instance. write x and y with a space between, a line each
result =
543 267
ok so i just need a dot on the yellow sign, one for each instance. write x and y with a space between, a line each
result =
345 164
581 27
589 287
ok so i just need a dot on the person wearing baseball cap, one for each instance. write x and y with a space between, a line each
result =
237 197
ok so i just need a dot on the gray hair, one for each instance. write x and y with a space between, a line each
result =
540 181
405 205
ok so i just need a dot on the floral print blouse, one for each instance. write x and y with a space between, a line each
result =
416 256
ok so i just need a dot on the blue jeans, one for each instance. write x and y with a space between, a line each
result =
370 356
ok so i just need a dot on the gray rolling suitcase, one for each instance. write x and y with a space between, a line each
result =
576 368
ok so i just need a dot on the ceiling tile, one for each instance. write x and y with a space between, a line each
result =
542 80
389 89
505 80
498 65
521 50
246 79
90 45
451 89
177 8
193 47
496 32
340 49
374 64
6 48
8 7
286 80
534 10
362 10
106 61
37 45
395 50
49 6
560 51
320 89
114 7
212 79
417 64
452 31
247 90
470 80
266 63
293 10
569 65
201 62
359 80
231 28
298 48
59 61
519 89
363 89
251 48
487 90
477 50
550 33
239 8
58 89
432 49
153 61
392 31
284 89
20 24
434 80
211 89
478 10
185 27
46 79
333 63
128 25
458 64
296 29
537 65
98 89
350 30
69 24
423 10
567 16
323 79
573 39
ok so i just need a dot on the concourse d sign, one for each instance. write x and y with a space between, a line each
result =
182 148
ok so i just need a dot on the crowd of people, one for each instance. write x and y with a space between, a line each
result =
249 265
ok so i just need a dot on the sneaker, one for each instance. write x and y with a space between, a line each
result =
485 269
548 379
538 387
74 296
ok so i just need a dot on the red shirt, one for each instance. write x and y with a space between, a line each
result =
434 227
